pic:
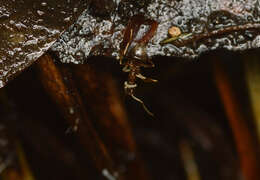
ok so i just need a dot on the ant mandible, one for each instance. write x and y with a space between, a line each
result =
133 51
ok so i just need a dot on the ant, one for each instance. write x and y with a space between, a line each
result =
133 50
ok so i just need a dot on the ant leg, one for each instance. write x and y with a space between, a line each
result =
145 79
147 63
126 69
123 53
142 103
129 88
153 28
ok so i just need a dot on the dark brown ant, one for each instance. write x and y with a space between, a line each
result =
135 55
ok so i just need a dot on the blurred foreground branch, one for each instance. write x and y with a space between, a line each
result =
242 136
102 97
58 83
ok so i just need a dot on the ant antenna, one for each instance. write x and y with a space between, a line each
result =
127 46
142 103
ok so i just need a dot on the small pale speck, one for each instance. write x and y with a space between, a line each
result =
67 19
44 4
40 13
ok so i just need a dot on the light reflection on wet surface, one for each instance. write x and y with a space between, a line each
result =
28 28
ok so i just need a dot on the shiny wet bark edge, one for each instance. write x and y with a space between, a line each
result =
28 28
212 24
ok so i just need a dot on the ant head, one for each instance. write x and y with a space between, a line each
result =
139 52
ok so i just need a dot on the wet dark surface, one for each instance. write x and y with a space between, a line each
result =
213 24
29 27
